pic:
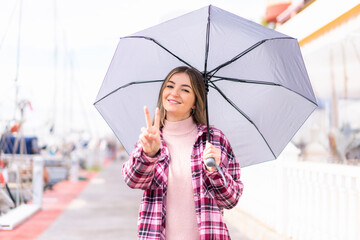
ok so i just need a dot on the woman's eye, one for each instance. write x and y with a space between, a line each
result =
185 90
169 86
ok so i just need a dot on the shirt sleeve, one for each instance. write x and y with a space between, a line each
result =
138 171
226 197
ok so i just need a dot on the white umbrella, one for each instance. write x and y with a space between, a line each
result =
259 90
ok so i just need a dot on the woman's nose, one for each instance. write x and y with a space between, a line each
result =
175 92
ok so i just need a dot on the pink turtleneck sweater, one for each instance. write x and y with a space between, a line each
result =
181 220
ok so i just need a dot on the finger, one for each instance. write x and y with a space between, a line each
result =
212 148
206 151
206 156
147 117
145 133
208 147
157 119
210 155
144 130
144 144
144 139
148 137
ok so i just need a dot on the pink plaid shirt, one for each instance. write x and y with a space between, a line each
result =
210 194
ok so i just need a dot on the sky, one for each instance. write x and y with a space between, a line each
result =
64 51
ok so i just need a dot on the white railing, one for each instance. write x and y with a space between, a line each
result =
303 200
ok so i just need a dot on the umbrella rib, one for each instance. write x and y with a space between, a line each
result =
242 113
244 81
244 53
261 83
127 85
207 41
157 43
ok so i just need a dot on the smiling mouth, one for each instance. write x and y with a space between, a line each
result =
173 101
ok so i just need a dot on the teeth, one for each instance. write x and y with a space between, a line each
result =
173 101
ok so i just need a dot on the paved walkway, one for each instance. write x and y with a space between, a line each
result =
106 208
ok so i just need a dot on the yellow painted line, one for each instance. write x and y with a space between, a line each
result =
336 22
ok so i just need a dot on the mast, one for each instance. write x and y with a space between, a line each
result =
54 106
16 80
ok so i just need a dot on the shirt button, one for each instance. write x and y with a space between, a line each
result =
194 173
193 155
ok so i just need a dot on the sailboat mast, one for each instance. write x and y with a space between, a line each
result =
16 80
54 106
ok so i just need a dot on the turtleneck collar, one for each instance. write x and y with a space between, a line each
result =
180 127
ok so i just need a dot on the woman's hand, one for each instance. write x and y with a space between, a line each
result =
211 152
150 136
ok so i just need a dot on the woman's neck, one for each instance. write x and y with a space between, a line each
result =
176 118
179 127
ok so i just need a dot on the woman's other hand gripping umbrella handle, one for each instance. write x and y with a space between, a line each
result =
210 154
210 162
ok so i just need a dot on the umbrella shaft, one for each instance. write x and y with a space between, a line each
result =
207 120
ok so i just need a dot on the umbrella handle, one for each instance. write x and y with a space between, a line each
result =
210 162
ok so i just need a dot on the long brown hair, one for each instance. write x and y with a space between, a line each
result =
198 86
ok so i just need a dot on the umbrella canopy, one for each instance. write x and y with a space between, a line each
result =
259 91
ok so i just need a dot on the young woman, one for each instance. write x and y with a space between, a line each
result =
183 199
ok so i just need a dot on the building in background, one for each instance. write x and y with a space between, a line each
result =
274 8
313 190
329 36
280 11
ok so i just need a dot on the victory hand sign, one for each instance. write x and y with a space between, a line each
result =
150 136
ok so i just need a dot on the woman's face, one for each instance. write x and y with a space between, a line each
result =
178 97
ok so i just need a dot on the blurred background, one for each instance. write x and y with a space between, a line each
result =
55 54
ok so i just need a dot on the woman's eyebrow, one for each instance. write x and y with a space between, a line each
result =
184 85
